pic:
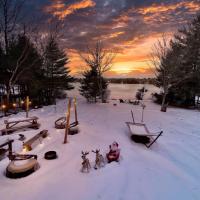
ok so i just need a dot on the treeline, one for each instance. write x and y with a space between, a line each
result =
26 72
177 65
28 68
132 80
126 80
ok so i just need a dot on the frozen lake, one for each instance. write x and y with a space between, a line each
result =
124 91
128 91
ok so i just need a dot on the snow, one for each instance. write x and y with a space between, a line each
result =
169 170
138 130
14 119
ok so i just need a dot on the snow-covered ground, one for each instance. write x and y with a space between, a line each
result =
169 170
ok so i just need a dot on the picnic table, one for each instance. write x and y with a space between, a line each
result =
20 124
3 150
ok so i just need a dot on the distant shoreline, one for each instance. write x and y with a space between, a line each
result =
128 80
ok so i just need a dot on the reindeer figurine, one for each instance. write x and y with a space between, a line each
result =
86 163
99 161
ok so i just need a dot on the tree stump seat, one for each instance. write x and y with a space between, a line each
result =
60 123
22 168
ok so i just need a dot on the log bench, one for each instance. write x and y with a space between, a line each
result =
20 124
32 142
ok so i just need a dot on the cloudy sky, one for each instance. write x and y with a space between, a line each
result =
129 27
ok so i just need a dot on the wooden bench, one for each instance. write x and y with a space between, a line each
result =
11 125
29 144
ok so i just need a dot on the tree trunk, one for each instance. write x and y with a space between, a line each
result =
164 106
8 91
101 89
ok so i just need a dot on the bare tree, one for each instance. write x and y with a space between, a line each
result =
19 67
101 59
10 11
163 68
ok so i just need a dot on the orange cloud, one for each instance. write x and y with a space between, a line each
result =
55 6
60 10
160 13
155 8
109 36
157 13
114 35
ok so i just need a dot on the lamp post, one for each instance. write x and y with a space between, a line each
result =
67 121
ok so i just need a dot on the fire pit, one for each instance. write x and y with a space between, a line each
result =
50 155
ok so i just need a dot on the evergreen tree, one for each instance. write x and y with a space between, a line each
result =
164 68
189 87
90 85
100 59
56 71
182 64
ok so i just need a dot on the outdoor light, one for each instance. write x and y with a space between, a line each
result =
3 106
25 149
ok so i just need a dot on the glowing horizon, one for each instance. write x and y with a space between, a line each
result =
132 63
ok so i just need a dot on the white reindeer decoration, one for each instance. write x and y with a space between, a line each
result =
86 163
99 161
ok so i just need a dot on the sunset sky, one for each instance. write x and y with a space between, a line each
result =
129 27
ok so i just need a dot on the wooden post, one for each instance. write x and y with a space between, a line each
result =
10 148
142 114
132 116
75 109
143 107
67 121
27 106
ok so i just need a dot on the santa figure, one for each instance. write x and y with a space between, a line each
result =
114 152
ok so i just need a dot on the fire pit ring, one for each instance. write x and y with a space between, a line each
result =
50 155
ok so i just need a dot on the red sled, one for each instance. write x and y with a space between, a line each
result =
114 153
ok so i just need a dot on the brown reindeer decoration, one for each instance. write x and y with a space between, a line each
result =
99 161
86 163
